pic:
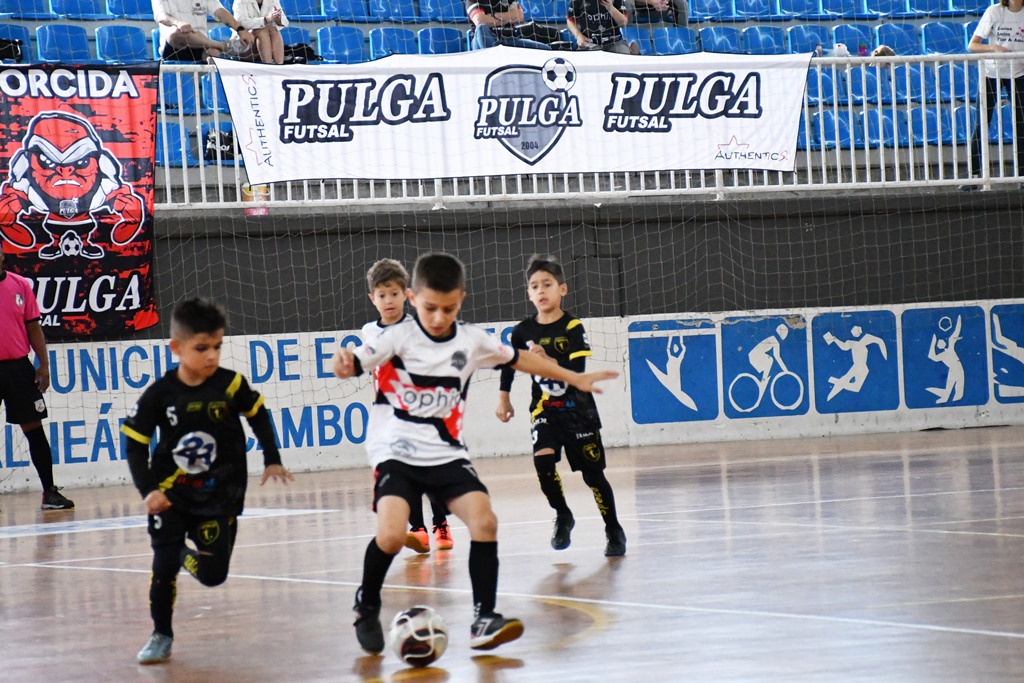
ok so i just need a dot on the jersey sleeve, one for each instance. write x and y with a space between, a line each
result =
579 346
508 373
376 352
984 27
489 352
143 417
31 307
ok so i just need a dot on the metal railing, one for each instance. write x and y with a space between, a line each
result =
867 123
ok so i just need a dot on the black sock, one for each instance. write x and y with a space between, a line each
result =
416 516
163 588
376 563
483 574
550 482
438 511
604 498
42 458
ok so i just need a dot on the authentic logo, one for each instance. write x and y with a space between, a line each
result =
647 103
326 111
736 151
527 108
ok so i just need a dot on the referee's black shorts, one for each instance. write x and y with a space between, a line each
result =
19 393
446 482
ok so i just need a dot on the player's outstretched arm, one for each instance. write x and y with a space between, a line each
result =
277 472
535 365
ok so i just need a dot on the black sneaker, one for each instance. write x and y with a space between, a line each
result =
616 542
560 537
368 630
52 500
491 630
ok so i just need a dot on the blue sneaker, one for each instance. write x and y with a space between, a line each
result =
156 650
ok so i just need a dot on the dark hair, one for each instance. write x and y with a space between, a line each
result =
440 272
197 316
387 270
549 264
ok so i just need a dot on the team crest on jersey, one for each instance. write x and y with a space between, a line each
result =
216 410
459 360
40 406
19 300
561 344
209 531
527 108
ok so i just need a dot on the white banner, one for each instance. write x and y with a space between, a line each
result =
511 110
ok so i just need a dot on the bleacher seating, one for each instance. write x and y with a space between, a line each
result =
303 10
68 43
825 86
889 9
674 40
933 8
295 35
210 158
721 39
390 40
447 11
970 7
831 130
212 88
19 32
965 119
854 36
357 11
399 11
914 83
641 35
763 40
32 10
901 37
957 83
804 38
759 10
545 11
341 44
439 40
121 44
885 128
869 84
809 10
713 10
927 126
943 37
83 10
180 93
1000 127
137 10
179 145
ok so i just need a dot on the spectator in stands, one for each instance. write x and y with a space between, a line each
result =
659 11
883 51
1003 26
596 24
183 35
494 23
265 19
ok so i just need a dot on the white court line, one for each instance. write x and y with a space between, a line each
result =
763 614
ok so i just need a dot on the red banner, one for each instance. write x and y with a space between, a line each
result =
76 203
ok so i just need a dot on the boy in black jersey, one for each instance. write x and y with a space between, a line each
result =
562 416
194 483
427 364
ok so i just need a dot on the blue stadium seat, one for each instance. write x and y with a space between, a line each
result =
31 10
846 9
721 39
942 37
440 40
970 7
553 11
969 28
965 120
19 32
641 35
804 38
933 8
65 43
763 40
958 82
210 84
928 126
390 40
674 40
869 84
81 10
713 10
295 35
901 37
155 40
885 128
303 10
356 11
446 11
400 11
224 127
853 36
889 9
914 83
181 93
179 143
122 44
808 10
832 130
825 86
802 139
137 10
341 45
1000 127
759 10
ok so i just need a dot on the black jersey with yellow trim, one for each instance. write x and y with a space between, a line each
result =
564 340
200 457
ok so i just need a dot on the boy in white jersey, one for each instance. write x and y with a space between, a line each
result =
419 447
387 280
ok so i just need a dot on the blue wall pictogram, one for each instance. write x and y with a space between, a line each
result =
856 366
673 369
945 358
764 366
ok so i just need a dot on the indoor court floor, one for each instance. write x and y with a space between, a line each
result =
870 558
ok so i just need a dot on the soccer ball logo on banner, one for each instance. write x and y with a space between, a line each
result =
559 74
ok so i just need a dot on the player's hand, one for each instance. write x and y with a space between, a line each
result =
156 502
43 378
504 411
185 28
344 364
538 350
246 36
588 381
277 472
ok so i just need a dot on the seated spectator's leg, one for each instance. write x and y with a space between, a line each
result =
276 43
523 42
483 38
621 47
179 40
264 46
681 12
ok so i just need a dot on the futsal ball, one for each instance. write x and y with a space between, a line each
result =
559 75
418 635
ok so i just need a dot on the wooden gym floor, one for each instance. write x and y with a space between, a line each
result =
880 558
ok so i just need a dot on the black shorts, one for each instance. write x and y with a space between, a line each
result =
583 449
184 54
19 393
210 534
445 482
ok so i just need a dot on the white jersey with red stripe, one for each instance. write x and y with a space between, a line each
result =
425 380
380 410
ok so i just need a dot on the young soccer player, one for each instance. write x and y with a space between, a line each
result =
562 416
388 280
419 447
194 483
